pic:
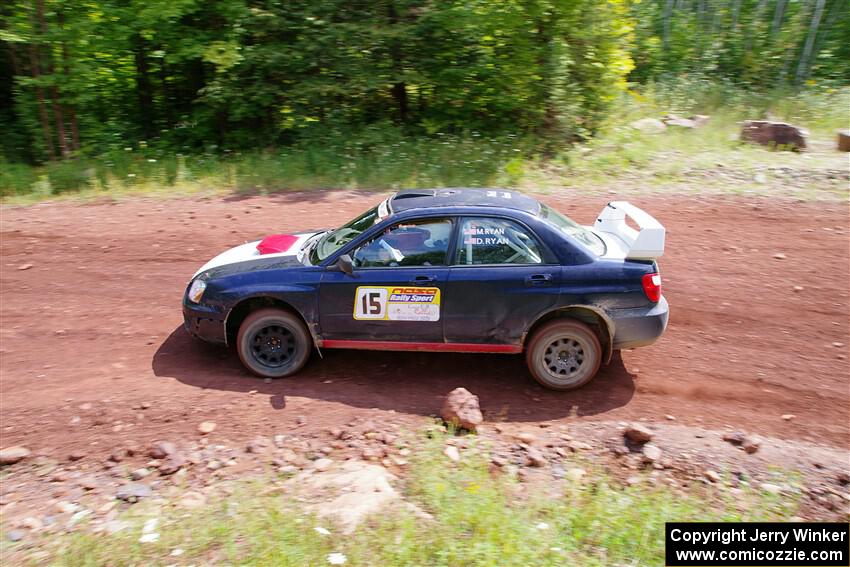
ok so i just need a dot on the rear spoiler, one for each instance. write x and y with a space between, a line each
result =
647 243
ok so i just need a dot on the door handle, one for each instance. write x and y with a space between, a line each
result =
538 279
423 279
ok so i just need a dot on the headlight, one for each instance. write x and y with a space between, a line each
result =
196 290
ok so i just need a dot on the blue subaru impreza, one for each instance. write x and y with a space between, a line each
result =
444 270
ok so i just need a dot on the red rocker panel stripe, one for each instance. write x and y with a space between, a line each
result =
421 347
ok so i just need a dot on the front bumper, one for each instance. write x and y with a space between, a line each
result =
640 326
204 323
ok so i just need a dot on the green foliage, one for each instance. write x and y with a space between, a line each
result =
85 79
759 44
237 74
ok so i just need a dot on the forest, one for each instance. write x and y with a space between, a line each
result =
168 79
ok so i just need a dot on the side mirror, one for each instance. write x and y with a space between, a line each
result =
345 265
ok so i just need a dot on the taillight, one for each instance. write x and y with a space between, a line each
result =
652 286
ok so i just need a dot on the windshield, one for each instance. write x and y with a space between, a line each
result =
334 240
573 229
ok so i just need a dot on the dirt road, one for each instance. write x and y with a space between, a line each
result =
93 352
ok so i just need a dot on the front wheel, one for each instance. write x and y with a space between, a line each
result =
564 354
273 343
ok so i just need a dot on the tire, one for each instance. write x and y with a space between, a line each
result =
564 354
273 343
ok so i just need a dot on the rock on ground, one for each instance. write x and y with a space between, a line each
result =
452 453
777 134
161 449
751 444
350 493
735 437
651 453
171 464
133 491
637 433
649 125
11 455
461 408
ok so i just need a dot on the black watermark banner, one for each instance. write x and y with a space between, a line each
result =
761 544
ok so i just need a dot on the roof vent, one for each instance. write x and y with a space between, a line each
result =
412 193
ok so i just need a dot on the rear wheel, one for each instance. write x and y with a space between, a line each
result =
564 354
273 343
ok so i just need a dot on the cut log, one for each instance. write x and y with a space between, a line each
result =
843 140
778 135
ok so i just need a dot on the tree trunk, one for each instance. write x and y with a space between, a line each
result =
778 14
70 111
805 58
166 94
667 14
60 122
54 90
144 88
35 71
835 10
399 88
748 44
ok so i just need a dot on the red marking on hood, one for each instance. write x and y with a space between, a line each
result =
276 243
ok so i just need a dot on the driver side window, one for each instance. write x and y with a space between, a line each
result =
496 241
409 243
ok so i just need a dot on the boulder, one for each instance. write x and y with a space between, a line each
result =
843 141
679 122
695 121
461 408
700 120
779 135
11 455
649 125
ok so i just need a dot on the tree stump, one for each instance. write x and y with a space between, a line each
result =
843 140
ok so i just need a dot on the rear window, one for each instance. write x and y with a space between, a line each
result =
572 229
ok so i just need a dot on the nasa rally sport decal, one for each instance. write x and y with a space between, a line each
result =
397 303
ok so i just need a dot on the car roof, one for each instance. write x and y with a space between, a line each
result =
408 199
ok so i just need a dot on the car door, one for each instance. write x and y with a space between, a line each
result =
395 291
501 279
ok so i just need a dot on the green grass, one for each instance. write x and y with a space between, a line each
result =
353 164
382 158
478 519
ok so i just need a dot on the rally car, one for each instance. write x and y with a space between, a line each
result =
446 270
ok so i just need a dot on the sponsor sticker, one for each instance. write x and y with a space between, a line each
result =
397 303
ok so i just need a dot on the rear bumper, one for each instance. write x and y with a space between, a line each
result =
204 323
641 326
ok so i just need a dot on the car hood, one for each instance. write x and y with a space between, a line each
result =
277 251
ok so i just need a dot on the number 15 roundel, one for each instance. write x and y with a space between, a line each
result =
397 303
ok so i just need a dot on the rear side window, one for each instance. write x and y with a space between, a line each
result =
570 227
496 241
